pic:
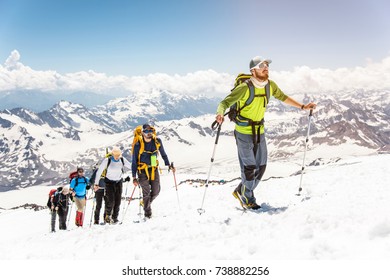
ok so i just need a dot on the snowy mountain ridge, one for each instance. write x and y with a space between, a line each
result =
42 148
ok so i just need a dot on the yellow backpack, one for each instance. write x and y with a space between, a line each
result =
139 139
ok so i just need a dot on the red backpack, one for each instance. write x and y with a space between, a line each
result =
73 175
51 196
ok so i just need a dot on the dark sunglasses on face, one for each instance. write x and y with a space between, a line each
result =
147 131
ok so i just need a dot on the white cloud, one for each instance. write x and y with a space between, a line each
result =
304 79
15 75
12 62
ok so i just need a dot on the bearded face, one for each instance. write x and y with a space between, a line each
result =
261 76
260 71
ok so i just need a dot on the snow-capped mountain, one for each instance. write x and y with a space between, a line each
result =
158 105
43 148
38 101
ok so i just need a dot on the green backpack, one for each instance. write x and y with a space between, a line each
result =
234 110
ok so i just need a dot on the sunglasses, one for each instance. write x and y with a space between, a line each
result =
147 131
261 65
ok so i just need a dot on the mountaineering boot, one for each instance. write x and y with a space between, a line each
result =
254 206
241 199
108 220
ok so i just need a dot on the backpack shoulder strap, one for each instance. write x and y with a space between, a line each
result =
123 165
251 92
251 95
157 143
108 163
268 91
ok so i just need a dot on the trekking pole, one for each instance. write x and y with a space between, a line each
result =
214 125
70 213
93 210
127 207
140 205
304 153
127 184
84 210
140 202
177 192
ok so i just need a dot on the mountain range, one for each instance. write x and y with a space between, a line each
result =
38 101
44 147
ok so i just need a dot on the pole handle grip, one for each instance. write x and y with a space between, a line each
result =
215 125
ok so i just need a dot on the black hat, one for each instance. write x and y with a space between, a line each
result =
146 126
80 169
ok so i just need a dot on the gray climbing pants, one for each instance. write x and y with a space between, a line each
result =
253 161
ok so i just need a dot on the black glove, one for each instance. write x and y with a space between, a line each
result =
127 179
88 187
171 168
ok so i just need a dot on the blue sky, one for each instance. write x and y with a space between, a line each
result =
137 37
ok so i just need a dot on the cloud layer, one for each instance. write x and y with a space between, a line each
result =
15 75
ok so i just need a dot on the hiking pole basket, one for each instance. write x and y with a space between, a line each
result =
215 125
304 153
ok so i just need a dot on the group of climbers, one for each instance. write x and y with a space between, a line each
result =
108 181
247 103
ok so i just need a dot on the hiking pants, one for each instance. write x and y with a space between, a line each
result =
150 190
53 214
113 198
62 214
99 196
253 161
80 203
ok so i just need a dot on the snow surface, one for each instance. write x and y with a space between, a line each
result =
342 214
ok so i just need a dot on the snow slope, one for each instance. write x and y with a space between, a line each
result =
343 214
